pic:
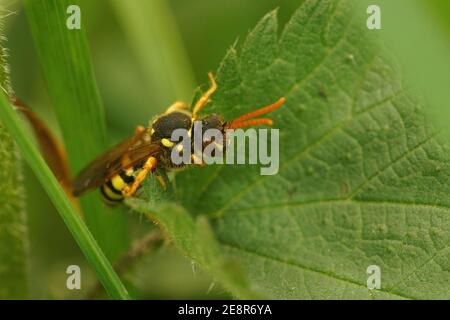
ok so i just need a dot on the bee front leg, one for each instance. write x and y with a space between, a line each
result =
205 97
149 166
161 181
138 130
176 106
197 161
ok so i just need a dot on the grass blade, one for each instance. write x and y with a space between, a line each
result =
13 227
65 61
156 42
80 232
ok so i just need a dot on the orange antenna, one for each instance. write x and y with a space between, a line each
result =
249 123
243 121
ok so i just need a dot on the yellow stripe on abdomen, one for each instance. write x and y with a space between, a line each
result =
112 189
111 194
118 183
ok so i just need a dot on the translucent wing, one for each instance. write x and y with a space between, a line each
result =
131 152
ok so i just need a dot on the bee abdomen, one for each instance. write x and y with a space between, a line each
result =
112 189
109 195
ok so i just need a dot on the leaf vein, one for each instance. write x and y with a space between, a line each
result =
306 268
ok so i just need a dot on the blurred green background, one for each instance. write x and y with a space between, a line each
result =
140 74
132 95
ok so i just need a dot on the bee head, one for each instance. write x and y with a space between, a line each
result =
212 121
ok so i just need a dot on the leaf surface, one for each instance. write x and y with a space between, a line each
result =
363 178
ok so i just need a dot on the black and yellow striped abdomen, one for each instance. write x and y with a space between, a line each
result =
112 190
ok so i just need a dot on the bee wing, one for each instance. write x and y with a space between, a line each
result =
131 152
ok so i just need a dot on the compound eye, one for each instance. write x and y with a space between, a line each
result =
212 122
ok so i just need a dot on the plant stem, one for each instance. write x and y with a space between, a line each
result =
74 223
65 60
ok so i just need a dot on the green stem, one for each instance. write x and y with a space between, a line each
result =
65 60
74 223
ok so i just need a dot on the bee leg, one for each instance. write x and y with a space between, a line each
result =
176 106
205 97
138 130
149 166
196 161
161 181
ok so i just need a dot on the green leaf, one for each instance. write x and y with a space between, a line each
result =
363 179
70 216
13 227
194 237
65 60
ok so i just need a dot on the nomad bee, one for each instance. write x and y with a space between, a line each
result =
120 171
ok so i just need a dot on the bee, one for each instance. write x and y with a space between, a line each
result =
120 171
